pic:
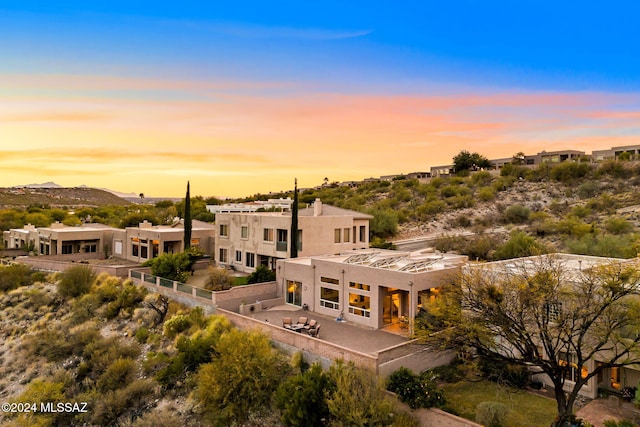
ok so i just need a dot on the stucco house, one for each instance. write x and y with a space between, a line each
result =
373 287
246 240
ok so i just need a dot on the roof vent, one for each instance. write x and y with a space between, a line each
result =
317 207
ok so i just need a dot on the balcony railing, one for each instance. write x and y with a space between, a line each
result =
281 246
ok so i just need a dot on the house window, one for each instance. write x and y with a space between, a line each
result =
354 234
329 280
224 230
294 293
363 233
223 255
336 235
362 286
67 248
144 252
568 361
299 240
244 232
250 259
330 298
282 244
267 234
360 305
346 237
554 310
239 256
135 249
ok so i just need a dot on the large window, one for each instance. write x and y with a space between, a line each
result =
223 255
294 293
360 305
250 259
568 360
282 244
362 286
330 298
224 230
345 235
336 235
239 256
267 234
244 232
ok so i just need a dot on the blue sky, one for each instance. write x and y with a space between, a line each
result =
109 58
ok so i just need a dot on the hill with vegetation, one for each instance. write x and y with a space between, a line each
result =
57 197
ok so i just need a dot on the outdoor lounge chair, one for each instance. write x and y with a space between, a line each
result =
312 324
315 332
302 321
286 322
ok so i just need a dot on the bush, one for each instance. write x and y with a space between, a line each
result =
519 245
76 281
14 276
301 398
492 414
510 374
120 373
618 226
171 266
122 402
569 171
417 391
261 275
517 214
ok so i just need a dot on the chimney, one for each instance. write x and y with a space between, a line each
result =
145 224
317 207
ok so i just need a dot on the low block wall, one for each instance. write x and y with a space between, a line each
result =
42 263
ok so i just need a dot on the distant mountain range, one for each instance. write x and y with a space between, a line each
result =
54 185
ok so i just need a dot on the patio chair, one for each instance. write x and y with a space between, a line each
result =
286 322
312 324
315 332
302 321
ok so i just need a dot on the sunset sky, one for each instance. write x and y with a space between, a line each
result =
241 97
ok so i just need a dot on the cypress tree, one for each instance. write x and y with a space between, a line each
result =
294 222
187 220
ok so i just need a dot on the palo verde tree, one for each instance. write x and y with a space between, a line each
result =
570 319
187 220
465 161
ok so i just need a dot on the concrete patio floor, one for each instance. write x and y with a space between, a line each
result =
344 334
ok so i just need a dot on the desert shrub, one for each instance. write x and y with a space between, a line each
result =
261 275
403 419
417 391
450 373
159 418
486 194
517 214
569 171
449 191
122 402
588 189
621 423
504 182
129 297
76 281
301 398
580 211
384 222
573 227
218 279
42 391
430 208
605 245
15 275
176 324
461 201
481 178
50 343
142 334
519 245
516 171
102 352
118 374
618 225
614 169
492 414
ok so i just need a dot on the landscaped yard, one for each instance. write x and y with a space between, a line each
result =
526 409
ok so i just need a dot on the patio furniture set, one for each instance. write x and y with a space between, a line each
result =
310 327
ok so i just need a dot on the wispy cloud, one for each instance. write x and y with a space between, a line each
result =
284 32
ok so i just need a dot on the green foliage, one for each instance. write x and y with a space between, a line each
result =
519 245
76 281
486 194
262 274
134 219
384 222
41 391
358 398
606 245
513 375
417 391
614 169
621 423
171 266
128 298
242 379
118 374
301 398
616 225
492 414
465 161
122 403
588 190
569 171
516 171
517 214
15 275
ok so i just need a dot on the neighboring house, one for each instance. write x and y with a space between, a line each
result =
271 204
614 153
246 240
374 287
612 379
59 239
133 243
147 241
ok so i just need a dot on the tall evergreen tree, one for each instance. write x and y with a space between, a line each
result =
294 222
187 220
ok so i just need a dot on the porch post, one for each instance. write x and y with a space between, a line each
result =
412 308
